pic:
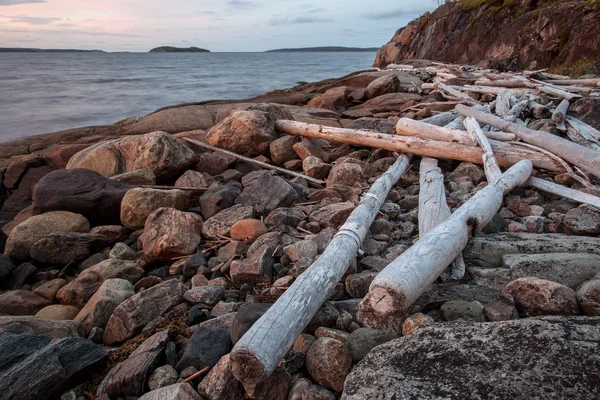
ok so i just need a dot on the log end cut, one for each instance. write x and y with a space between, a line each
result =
382 309
246 368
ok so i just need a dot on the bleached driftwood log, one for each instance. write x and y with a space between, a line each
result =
560 114
433 210
586 131
490 165
453 92
586 159
405 279
441 119
567 193
593 82
257 353
410 127
507 154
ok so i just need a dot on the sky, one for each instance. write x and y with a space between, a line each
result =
217 25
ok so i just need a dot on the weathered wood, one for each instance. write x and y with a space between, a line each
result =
565 192
454 92
253 161
488 250
507 154
560 114
490 165
556 91
410 127
257 353
441 119
588 132
593 82
433 210
505 83
586 159
396 287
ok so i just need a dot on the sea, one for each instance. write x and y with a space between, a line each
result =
48 92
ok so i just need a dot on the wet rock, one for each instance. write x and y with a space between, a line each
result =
67 247
266 193
246 316
162 376
445 360
137 177
282 149
247 230
535 296
82 288
139 203
460 309
383 85
179 391
101 305
191 179
332 216
218 198
583 220
80 191
415 321
24 235
220 384
170 233
158 152
133 314
328 361
128 377
315 167
58 312
363 340
205 295
205 348
588 297
220 224
21 302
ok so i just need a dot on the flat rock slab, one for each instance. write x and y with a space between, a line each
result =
541 358
40 326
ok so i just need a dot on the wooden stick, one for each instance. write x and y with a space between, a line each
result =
581 156
588 132
163 187
409 275
567 193
196 375
560 114
454 92
507 154
490 165
257 353
253 161
441 119
411 127
433 210
509 83
594 82
556 91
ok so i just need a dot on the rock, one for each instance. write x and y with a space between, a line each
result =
266 193
246 316
162 376
415 321
282 149
49 289
218 198
232 249
501 310
383 85
345 174
583 220
139 203
137 177
221 223
373 124
444 361
328 361
121 251
302 249
332 216
215 163
133 314
20 275
315 167
24 235
6 266
205 348
179 391
496 278
80 191
115 233
588 297
38 326
38 368
81 289
258 268
21 302
220 384
67 247
541 297
169 233
58 312
157 152
471 171
275 387
101 305
316 392
460 309
357 285
191 179
363 340
128 378
206 295
247 230
284 216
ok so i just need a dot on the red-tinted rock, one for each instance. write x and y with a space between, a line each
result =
247 230
329 361
414 321
21 302
535 296
220 384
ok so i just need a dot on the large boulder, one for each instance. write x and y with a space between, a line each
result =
535 358
24 235
138 203
170 233
21 302
583 220
267 192
383 85
535 296
158 152
80 191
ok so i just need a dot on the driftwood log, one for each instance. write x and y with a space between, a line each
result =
257 353
560 114
490 165
410 127
408 276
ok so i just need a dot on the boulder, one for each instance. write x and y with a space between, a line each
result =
588 297
246 316
220 224
535 296
214 163
179 391
583 220
461 309
328 361
220 384
383 85
532 358
49 289
80 191
345 174
139 203
247 230
137 177
315 167
363 340
82 288
39 326
21 302
169 233
218 198
282 149
415 321
24 235
6 266
67 247
101 305
332 216
20 276
275 387
58 312
284 216
267 192
158 152
257 268
163 376
133 314
205 348
205 295
191 179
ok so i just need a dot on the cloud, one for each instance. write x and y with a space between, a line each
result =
15 2
245 4
25 19
399 12
297 20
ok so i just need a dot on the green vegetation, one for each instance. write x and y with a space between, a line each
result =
497 4
171 49
586 66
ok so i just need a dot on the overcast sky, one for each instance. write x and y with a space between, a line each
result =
218 25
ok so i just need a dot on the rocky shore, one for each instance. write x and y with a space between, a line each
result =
133 259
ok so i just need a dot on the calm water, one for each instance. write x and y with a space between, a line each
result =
47 92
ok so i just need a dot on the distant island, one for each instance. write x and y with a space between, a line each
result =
171 49
326 48
28 50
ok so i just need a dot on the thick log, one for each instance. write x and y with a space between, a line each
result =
593 82
565 192
396 287
507 154
560 113
586 159
454 92
433 210
257 353
507 83
410 127
487 251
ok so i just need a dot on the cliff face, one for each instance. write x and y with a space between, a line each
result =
502 34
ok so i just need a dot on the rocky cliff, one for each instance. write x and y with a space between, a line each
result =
502 33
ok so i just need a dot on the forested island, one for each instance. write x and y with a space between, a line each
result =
325 48
30 50
171 49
